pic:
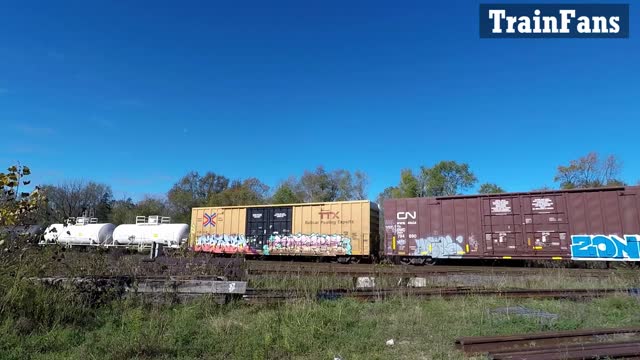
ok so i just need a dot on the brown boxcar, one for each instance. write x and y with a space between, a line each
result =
587 224
334 229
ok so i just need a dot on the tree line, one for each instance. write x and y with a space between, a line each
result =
54 203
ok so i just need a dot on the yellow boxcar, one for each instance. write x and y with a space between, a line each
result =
343 228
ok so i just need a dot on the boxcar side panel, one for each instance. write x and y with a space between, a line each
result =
591 224
333 229
611 231
432 228
546 225
328 229
219 230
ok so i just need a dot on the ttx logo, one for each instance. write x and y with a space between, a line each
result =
328 214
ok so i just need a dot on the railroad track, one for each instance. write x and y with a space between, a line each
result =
300 268
258 296
195 286
574 344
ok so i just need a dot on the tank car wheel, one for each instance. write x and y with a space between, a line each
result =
354 260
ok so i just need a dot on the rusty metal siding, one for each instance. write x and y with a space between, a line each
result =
517 225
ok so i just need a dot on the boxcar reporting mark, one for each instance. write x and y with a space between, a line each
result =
328 214
605 247
209 220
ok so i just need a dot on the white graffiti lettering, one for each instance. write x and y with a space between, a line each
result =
440 247
276 244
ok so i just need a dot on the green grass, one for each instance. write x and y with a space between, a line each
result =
555 278
317 330
44 323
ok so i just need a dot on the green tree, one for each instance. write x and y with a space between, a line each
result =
317 186
18 207
250 191
409 186
193 190
446 178
285 194
122 212
543 188
150 205
387 193
489 188
338 185
590 171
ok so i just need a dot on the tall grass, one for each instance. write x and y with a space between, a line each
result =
64 327
39 322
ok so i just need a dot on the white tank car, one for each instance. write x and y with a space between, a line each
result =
149 230
85 231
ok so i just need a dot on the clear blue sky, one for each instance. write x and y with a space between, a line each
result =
137 95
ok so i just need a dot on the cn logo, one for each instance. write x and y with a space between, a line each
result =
327 214
404 215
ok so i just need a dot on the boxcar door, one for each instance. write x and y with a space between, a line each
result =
280 221
257 219
546 225
502 225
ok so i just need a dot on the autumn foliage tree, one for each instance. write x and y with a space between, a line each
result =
17 207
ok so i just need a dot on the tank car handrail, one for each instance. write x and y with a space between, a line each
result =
153 220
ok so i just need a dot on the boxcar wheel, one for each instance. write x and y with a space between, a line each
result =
430 261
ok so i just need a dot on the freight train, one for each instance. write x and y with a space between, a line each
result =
346 231
87 231
585 224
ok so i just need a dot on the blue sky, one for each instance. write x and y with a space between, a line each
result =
136 95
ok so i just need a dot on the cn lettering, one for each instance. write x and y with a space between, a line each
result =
406 215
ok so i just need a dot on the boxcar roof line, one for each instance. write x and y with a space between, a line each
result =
281 205
612 188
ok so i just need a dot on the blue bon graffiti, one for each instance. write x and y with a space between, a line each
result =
605 247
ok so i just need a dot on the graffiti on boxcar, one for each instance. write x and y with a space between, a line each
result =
294 244
605 247
440 246
223 243
314 244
